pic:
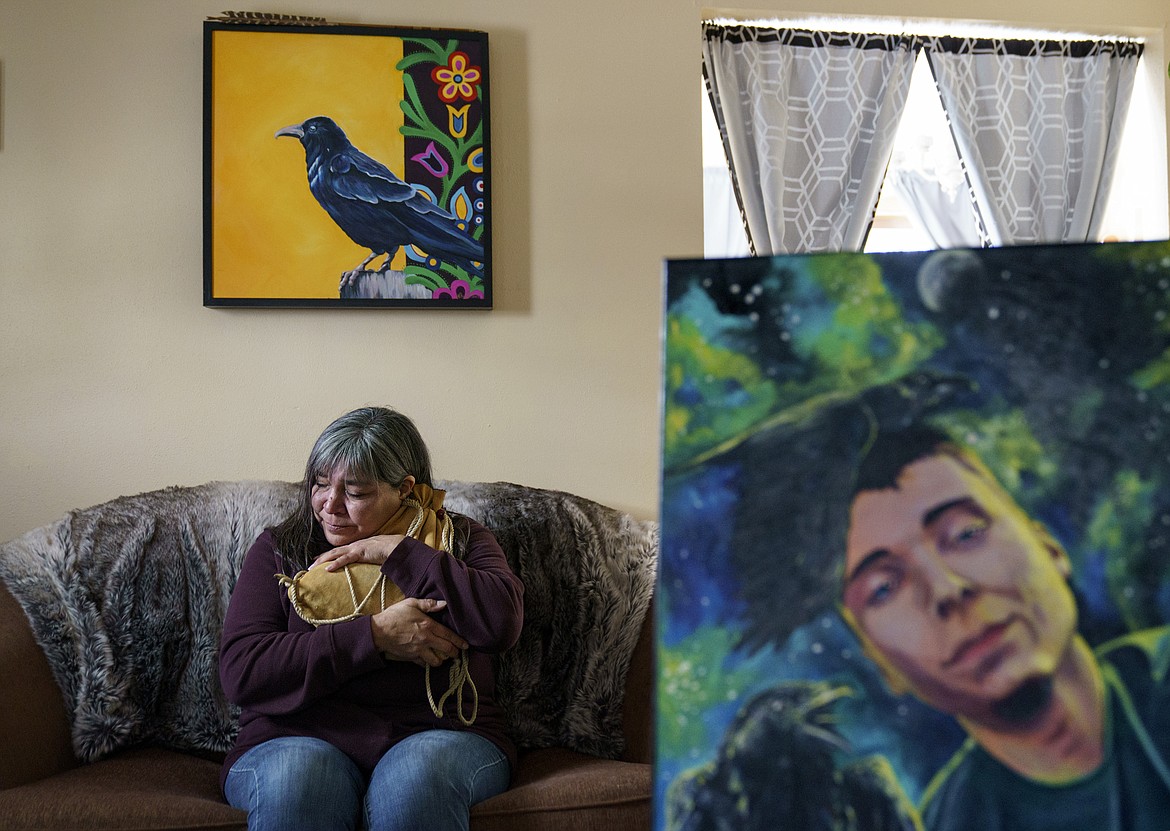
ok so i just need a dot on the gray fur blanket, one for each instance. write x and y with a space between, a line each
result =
127 599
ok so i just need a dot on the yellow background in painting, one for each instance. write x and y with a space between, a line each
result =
270 237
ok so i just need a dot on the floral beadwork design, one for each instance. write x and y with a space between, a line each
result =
458 79
444 129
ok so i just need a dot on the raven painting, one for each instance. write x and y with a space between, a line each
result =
375 208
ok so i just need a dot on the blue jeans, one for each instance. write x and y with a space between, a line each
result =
428 782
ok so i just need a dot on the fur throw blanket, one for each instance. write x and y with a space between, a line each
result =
127 600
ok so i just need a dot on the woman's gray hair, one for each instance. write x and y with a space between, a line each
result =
371 442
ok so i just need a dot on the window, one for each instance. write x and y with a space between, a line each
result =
1137 205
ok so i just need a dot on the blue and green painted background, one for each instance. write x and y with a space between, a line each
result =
1052 362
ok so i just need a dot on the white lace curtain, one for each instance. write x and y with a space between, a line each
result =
808 121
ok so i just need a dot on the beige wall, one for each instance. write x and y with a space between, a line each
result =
114 378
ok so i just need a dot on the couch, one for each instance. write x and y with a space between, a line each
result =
102 733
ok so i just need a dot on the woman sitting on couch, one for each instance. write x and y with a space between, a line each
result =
339 727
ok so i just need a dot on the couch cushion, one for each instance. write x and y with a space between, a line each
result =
147 789
33 721
153 789
569 791
638 707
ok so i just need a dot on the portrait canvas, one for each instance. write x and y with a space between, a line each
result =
915 562
346 166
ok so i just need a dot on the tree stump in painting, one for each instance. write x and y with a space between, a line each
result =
384 285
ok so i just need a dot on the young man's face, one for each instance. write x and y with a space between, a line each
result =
959 591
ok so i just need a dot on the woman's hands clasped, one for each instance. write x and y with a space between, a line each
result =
373 550
404 631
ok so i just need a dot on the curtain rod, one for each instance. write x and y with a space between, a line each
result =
916 26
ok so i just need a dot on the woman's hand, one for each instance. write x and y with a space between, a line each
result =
406 632
375 550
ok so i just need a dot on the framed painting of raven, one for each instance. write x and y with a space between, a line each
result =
346 166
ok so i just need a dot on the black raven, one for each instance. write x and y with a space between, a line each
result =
778 767
375 208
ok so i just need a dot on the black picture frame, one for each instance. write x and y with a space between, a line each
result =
395 128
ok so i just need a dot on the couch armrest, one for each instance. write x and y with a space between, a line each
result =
33 721
638 707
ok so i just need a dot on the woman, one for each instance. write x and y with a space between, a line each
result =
336 729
